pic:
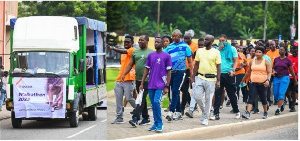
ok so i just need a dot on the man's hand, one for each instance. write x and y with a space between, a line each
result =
109 47
141 87
266 84
217 84
122 78
192 80
231 73
165 90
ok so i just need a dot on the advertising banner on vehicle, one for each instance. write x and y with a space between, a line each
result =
39 97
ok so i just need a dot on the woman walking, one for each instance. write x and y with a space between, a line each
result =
260 71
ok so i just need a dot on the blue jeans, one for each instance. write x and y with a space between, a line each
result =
155 96
3 92
280 85
176 83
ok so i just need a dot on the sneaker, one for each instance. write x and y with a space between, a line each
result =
159 128
169 117
145 122
256 111
293 109
118 121
167 110
228 103
133 122
178 116
205 122
237 115
282 106
153 128
265 115
215 117
202 117
221 107
189 114
277 112
246 115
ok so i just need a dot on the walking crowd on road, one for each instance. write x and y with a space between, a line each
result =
266 72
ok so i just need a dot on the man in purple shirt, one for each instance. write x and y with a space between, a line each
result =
160 64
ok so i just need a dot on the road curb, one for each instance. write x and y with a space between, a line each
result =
223 130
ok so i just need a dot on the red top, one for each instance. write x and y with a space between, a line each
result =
294 61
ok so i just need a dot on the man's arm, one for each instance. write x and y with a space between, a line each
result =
218 76
146 71
189 59
121 51
195 70
128 68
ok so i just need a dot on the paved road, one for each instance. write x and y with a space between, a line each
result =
288 132
56 129
121 131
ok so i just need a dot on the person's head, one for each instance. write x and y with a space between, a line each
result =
283 51
233 42
5 73
276 41
241 42
143 41
251 52
200 42
248 41
176 35
128 42
272 46
267 47
208 41
87 51
223 38
260 43
158 43
259 51
167 40
187 38
294 51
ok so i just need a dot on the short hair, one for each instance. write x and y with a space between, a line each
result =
211 36
201 39
267 45
168 37
178 31
261 48
146 37
130 37
294 47
5 73
190 33
223 35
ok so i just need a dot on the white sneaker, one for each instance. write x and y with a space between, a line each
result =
178 116
212 117
237 115
169 117
205 122
202 117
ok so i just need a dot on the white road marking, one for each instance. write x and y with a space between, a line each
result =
104 120
81 131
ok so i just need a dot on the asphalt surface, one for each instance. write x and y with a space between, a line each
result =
122 131
56 129
288 132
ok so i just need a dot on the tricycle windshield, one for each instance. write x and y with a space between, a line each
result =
41 64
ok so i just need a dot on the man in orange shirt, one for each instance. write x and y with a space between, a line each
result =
273 53
127 87
186 98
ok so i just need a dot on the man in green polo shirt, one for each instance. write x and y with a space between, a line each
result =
138 59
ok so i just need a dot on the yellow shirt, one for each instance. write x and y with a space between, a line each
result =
208 60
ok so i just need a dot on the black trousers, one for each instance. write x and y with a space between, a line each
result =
257 89
90 76
239 78
229 83
269 89
186 97
141 108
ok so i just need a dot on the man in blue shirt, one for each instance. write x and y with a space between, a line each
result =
179 51
229 61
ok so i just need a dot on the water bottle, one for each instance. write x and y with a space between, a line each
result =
279 38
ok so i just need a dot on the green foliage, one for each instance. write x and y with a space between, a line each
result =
246 33
111 76
94 9
211 17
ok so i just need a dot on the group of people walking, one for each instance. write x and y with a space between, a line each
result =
179 64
